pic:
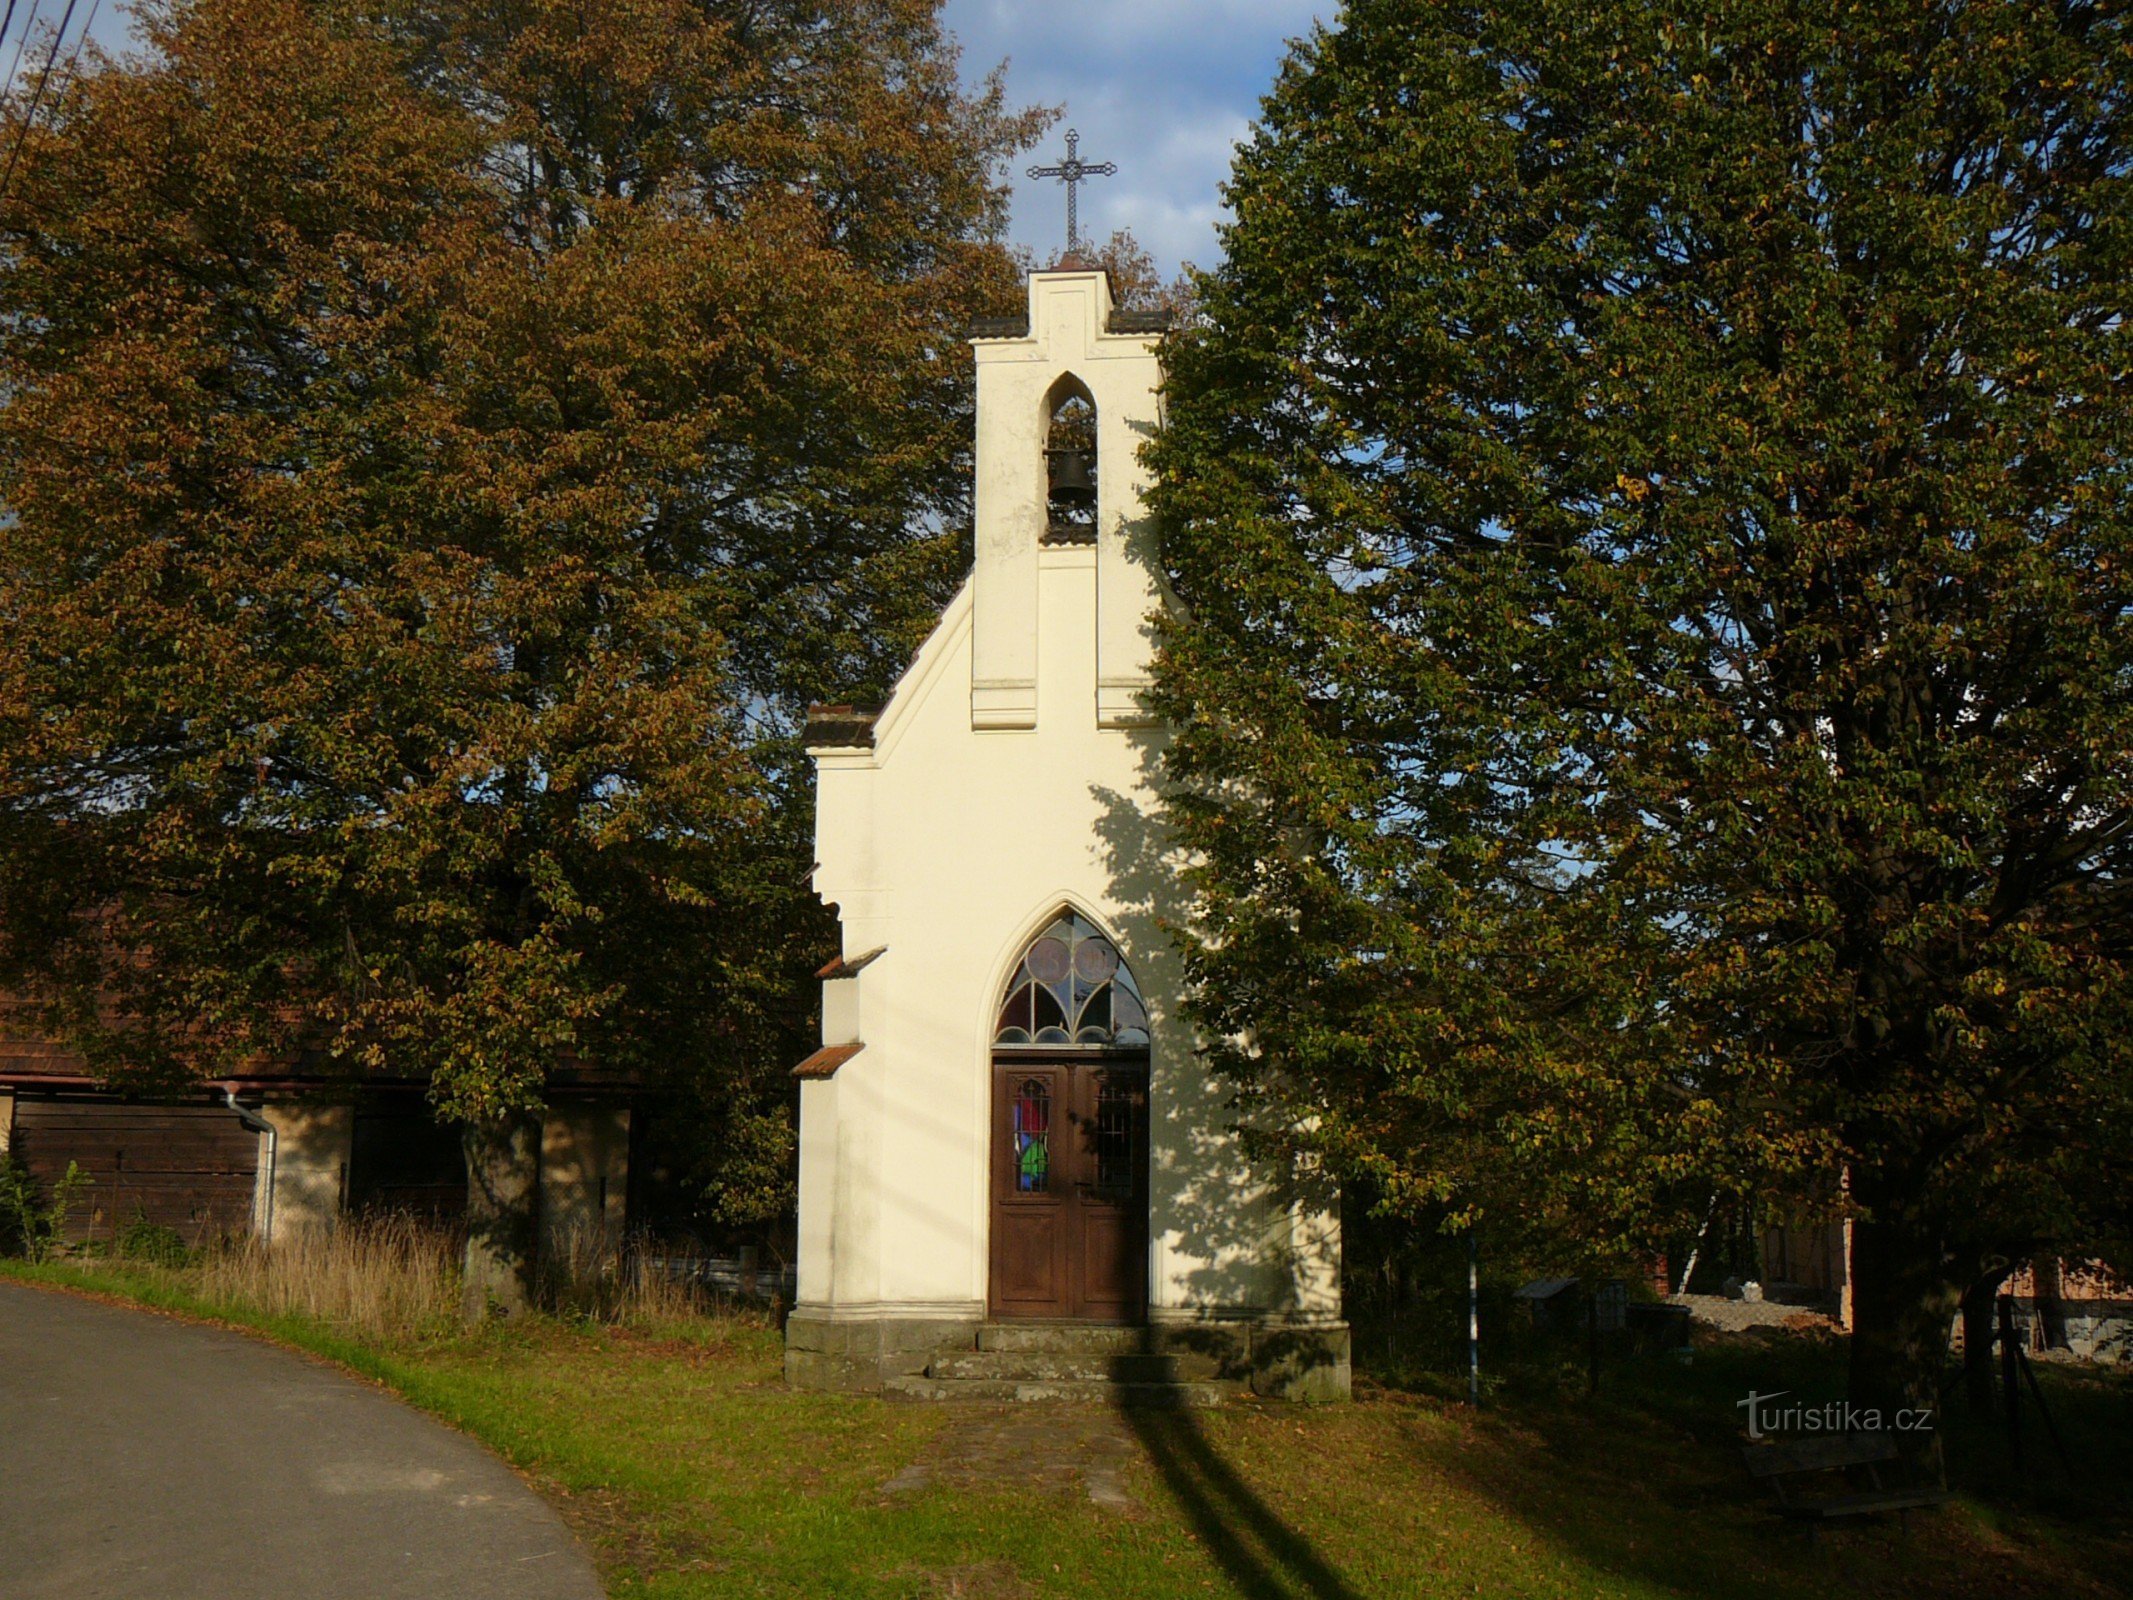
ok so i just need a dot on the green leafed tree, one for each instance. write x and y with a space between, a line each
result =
1654 682
443 448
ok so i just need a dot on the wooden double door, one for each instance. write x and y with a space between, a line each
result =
1070 1188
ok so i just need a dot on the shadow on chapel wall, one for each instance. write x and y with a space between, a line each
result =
1245 1233
1247 1223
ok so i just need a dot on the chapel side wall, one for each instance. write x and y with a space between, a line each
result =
928 1239
817 1188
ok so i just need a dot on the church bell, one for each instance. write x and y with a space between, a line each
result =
1071 483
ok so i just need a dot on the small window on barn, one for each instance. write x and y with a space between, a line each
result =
1070 463
1072 988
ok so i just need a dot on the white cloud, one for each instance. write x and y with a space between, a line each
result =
1165 88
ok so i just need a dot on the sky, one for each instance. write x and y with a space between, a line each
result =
1164 88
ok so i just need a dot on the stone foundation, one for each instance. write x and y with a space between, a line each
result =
1280 1360
853 1356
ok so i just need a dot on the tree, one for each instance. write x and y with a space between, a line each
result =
1136 282
444 450
831 169
1649 510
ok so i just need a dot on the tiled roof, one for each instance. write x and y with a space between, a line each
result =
31 1059
834 727
845 966
1017 327
825 1062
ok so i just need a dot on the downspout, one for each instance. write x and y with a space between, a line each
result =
259 1124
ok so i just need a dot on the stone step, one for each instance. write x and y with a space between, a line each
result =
1062 1338
1042 1366
1154 1396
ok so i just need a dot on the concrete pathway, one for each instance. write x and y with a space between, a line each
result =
1043 1445
147 1459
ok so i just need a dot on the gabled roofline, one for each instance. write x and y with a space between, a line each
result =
871 744
920 679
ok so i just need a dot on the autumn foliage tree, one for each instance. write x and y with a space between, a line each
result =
443 448
1654 676
1137 283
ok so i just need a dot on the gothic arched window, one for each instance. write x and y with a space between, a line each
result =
1070 463
1072 988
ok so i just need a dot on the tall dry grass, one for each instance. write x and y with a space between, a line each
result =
595 1273
386 1277
585 1271
397 1277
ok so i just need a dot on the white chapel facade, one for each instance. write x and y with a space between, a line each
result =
1007 1124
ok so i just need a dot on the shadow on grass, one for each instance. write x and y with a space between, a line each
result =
1647 1483
1263 1556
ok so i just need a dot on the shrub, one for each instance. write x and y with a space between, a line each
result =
32 1225
142 1240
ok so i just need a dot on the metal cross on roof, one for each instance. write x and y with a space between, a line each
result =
1071 172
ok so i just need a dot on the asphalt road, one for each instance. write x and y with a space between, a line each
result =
147 1459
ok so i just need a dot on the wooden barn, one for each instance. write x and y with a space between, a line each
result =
284 1149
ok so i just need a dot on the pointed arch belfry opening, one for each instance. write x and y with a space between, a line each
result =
1070 1132
1070 465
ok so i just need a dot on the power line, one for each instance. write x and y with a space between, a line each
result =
8 22
66 79
29 26
37 100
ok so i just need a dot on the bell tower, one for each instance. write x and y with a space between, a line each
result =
1066 394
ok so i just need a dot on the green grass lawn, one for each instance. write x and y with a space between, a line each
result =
690 1470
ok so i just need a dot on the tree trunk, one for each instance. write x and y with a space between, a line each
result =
1977 1341
503 1214
2050 1290
1902 1303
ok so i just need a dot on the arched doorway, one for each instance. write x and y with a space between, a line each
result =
1070 1132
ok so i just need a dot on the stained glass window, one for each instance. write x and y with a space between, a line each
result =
1033 1136
1071 988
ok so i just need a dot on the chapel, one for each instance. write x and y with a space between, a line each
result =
1016 1177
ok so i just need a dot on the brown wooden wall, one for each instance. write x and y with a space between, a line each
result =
190 1167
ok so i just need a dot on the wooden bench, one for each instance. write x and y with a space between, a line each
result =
1798 1472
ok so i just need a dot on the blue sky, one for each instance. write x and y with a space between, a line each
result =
1164 88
